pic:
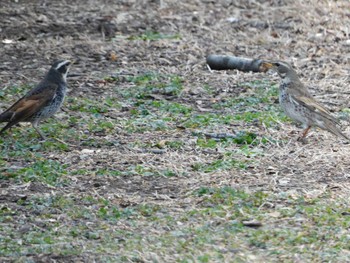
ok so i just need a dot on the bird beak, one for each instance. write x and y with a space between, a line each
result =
265 66
70 62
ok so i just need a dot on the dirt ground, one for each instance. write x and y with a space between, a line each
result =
103 37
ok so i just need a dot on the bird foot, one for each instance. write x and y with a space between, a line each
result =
42 139
301 139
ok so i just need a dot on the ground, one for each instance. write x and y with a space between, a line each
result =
156 158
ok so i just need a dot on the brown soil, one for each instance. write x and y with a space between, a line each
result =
97 34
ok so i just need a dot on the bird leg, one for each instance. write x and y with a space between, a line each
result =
35 126
305 132
303 135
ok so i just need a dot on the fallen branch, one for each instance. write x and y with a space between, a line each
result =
219 62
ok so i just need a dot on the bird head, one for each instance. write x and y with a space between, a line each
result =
283 69
62 67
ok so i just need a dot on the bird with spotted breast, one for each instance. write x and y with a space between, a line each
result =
41 102
297 102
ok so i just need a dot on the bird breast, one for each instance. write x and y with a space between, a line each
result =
292 108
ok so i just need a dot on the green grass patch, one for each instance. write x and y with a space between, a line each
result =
154 36
88 105
41 170
258 104
157 220
149 171
152 83
207 120
259 92
226 163
314 229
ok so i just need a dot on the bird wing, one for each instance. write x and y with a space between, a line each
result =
314 106
28 106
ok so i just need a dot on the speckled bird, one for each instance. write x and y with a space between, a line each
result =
298 103
41 102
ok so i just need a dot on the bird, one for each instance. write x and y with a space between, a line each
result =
297 102
41 102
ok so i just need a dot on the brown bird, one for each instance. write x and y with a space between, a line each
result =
42 101
298 103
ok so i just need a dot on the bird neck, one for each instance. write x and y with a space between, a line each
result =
291 77
55 76
293 83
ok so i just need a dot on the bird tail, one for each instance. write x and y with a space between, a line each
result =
6 116
331 127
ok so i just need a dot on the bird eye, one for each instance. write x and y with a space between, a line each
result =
277 64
